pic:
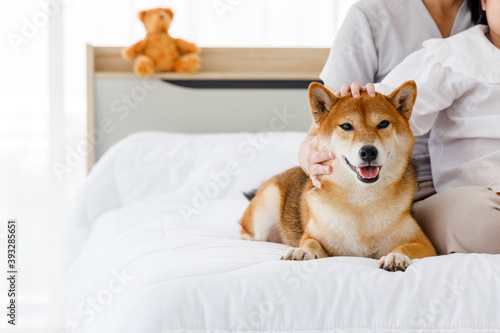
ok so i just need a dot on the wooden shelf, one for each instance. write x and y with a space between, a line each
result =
218 76
226 64
232 64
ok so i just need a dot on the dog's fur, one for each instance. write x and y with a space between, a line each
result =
364 206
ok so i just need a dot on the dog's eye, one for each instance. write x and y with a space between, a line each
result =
383 124
347 127
161 17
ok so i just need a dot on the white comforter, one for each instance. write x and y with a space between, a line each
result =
153 246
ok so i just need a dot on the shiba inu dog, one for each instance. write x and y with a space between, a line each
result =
364 206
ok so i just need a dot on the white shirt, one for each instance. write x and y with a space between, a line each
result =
375 37
458 96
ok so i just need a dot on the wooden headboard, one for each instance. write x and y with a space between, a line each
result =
236 90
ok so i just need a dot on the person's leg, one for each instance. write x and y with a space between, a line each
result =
464 219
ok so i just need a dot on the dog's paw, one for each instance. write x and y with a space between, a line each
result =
297 253
394 262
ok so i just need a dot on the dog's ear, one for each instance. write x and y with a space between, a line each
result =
321 100
403 98
169 12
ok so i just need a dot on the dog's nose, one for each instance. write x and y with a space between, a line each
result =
368 153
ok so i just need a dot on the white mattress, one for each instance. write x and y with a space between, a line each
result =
135 263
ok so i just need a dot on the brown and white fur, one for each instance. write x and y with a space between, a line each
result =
364 206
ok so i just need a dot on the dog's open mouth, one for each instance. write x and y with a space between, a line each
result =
367 174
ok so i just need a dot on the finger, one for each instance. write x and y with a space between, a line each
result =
313 145
370 89
320 169
316 182
321 156
338 93
356 89
345 89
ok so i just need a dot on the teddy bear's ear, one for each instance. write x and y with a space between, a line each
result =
142 15
169 12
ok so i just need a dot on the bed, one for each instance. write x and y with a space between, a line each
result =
153 246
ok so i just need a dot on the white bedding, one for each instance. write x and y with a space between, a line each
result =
139 260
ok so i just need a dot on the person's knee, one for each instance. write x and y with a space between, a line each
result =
447 206
455 219
470 219
461 202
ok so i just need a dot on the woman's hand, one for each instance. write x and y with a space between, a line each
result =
314 162
356 90
311 159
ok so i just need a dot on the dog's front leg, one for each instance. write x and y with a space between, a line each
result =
309 249
399 258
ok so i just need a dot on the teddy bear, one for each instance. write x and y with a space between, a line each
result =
159 51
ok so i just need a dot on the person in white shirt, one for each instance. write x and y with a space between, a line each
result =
376 36
458 96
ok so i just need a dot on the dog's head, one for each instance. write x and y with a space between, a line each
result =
369 136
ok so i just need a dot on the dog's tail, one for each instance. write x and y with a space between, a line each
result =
250 194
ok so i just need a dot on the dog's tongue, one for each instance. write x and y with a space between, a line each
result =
368 172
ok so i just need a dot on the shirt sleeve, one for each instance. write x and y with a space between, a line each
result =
353 56
437 87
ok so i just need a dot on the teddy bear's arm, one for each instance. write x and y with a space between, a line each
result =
186 47
134 50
